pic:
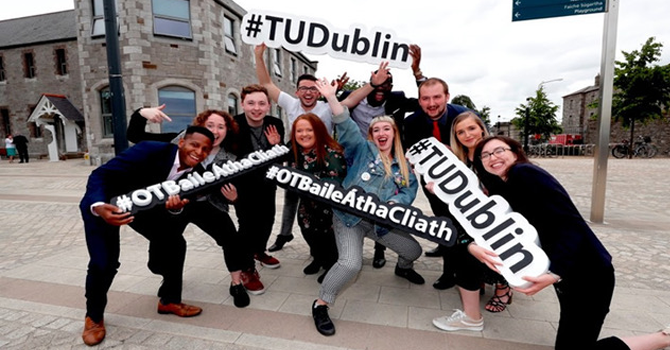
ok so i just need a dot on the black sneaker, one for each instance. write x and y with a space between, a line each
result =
240 296
279 243
313 268
321 319
446 281
378 261
410 275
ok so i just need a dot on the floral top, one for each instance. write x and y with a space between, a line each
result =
314 215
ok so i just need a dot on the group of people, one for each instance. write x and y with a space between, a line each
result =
371 137
17 144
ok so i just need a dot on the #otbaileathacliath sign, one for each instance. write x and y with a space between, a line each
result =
317 36
488 220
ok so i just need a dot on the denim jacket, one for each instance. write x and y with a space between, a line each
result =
362 156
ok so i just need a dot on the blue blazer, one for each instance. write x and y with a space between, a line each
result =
145 164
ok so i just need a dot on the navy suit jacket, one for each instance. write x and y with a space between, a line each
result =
147 163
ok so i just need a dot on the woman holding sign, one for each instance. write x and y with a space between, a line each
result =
376 165
316 152
581 269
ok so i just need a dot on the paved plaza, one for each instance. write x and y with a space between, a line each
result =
43 262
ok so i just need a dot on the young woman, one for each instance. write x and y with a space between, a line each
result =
581 269
316 152
377 165
467 130
210 212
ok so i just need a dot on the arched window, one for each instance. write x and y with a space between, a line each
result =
179 106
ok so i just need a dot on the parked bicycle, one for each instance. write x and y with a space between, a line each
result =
642 148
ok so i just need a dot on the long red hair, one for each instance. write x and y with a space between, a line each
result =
321 138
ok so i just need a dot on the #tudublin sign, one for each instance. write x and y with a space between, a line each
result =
488 220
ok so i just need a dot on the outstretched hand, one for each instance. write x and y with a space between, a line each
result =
341 81
272 135
380 76
155 114
327 89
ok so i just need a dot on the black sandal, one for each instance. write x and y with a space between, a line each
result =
496 304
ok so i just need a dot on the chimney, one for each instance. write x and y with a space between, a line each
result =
597 80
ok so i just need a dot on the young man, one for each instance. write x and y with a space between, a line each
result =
142 165
306 100
435 119
255 206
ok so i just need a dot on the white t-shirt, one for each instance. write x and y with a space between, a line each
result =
364 113
293 109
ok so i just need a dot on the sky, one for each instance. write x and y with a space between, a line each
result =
473 45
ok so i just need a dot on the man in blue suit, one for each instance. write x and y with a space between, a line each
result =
142 165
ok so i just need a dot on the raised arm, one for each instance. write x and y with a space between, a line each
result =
377 78
415 52
263 75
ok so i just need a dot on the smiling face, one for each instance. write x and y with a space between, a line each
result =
255 106
382 134
304 134
217 125
307 93
193 149
469 133
497 158
433 100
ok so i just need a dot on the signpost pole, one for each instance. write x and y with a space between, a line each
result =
601 152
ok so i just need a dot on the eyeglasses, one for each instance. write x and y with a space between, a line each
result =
310 88
496 152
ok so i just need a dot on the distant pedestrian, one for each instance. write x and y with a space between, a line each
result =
21 143
10 147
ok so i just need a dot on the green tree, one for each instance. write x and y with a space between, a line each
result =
484 113
542 116
641 88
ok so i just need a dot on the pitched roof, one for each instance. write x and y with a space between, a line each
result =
583 91
67 109
50 27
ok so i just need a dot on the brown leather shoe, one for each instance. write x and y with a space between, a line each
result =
181 309
94 333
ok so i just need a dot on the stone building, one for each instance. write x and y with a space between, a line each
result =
580 118
187 54
39 55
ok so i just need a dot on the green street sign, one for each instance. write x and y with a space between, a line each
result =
533 9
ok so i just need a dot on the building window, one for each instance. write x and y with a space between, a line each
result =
98 23
61 62
294 70
6 126
232 104
106 113
2 69
29 65
172 18
278 111
179 105
276 63
229 31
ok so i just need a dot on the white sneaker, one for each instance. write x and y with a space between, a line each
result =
459 321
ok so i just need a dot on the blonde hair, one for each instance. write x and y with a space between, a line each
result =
396 150
456 146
